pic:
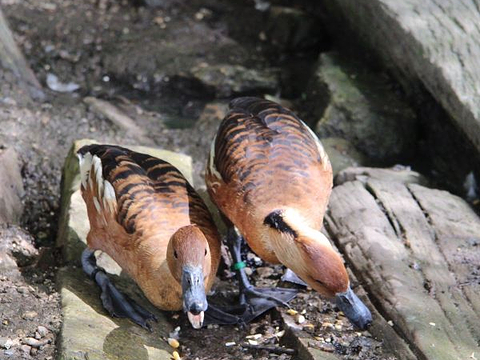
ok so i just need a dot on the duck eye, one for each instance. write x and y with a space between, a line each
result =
205 252
175 254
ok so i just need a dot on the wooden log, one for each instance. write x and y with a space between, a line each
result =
416 251
434 42
11 58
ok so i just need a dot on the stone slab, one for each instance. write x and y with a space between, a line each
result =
89 333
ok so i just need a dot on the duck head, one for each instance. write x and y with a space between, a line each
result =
310 255
189 260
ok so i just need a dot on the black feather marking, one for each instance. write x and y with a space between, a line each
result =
275 221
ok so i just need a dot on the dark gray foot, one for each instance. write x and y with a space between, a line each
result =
117 304
224 316
256 300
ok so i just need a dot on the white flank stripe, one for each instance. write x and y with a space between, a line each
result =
109 198
97 166
85 163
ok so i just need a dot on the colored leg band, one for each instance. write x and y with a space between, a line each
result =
239 265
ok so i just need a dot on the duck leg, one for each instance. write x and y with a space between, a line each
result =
116 303
258 300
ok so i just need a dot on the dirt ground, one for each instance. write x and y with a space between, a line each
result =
78 41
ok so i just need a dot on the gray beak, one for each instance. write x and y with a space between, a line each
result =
354 309
194 298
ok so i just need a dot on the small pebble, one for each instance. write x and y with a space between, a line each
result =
42 331
254 336
33 351
5 343
264 271
280 333
390 322
29 315
253 342
25 348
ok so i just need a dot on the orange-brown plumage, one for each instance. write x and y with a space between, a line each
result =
149 219
266 162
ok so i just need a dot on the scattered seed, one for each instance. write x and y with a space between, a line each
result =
173 343
176 356
280 333
309 326
252 342
390 322
328 325
304 311
432 324
254 336
230 343
338 327
292 312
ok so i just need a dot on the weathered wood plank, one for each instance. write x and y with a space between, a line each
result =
394 248
436 42
397 173
457 233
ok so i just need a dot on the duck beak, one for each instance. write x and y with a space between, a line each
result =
194 298
354 309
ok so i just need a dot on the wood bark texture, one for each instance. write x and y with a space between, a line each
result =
416 251
434 41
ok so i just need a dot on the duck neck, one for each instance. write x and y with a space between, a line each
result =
289 245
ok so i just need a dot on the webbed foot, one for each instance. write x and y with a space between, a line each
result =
116 303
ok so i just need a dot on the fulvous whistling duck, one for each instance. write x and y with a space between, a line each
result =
149 219
271 178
